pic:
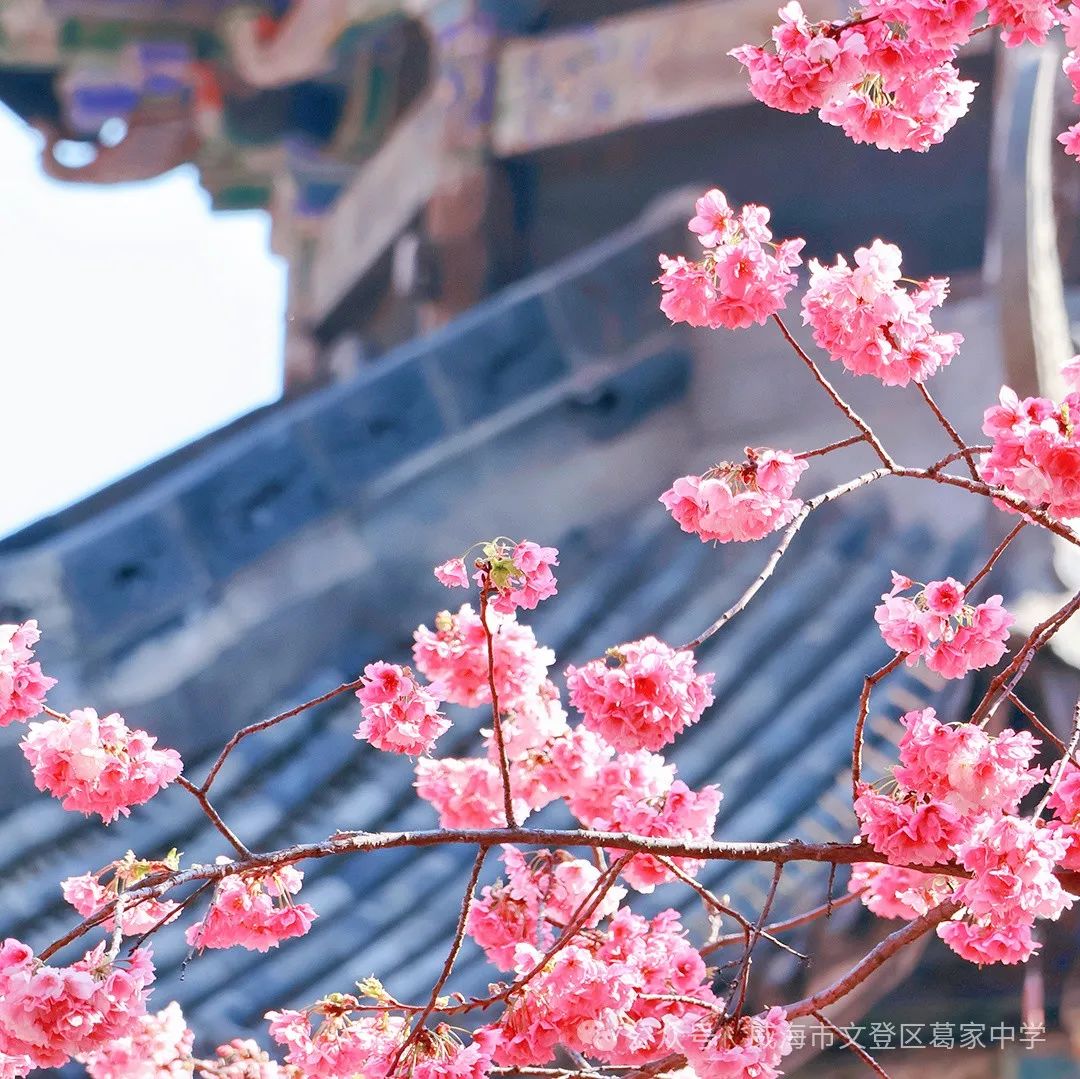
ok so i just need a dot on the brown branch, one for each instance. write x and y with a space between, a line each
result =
850 1043
995 554
872 960
215 818
1070 751
825 910
869 682
995 493
835 397
448 965
1001 685
742 978
1034 720
822 450
266 724
496 718
956 455
949 430
789 533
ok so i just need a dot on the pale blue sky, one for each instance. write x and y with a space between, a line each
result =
132 320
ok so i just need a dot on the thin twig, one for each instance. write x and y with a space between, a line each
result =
850 1043
1035 640
872 960
1052 786
1034 720
722 908
869 682
951 431
496 718
835 397
995 554
742 979
789 533
822 450
825 910
266 724
448 965
215 818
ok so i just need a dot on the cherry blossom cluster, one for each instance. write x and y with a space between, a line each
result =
519 573
540 892
89 893
740 502
1070 138
742 278
754 1045
158 1046
22 685
891 891
330 1041
1064 804
887 75
1035 453
253 911
98 765
937 626
864 318
243 1058
642 696
893 87
50 1014
957 799
453 657
400 714
624 995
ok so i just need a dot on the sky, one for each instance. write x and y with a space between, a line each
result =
132 320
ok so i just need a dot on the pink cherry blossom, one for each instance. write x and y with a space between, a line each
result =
453 657
158 1047
520 575
466 793
903 108
865 319
541 892
327 1042
962 765
453 573
242 1058
1035 454
87 894
894 892
400 715
941 24
1012 861
742 278
1064 802
736 1048
98 765
982 943
254 911
640 776
680 814
51 1014
643 698
738 502
1023 20
808 65
22 685
909 831
937 626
